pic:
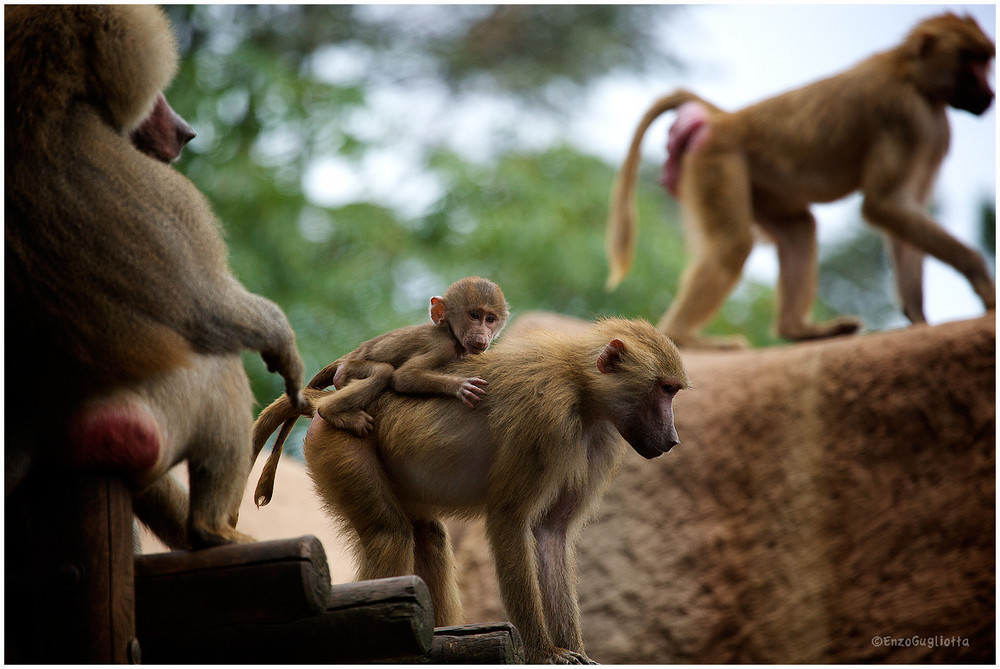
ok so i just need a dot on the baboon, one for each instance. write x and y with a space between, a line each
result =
472 312
116 275
879 127
202 413
534 458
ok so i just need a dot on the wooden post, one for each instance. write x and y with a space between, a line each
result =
68 570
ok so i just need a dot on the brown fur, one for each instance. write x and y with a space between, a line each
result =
879 127
204 414
116 274
115 264
472 312
534 458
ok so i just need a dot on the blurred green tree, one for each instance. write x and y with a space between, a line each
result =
287 96
334 143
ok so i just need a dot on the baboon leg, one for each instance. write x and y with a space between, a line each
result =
163 508
345 407
795 238
913 227
353 484
435 563
556 558
908 266
217 476
721 241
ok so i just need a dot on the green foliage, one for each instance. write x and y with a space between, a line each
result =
524 47
254 86
535 224
273 91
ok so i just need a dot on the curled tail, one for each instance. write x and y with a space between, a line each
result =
327 376
279 413
620 234
324 377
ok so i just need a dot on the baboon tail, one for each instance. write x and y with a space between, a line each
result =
265 485
620 233
324 377
280 412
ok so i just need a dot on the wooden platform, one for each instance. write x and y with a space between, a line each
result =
76 594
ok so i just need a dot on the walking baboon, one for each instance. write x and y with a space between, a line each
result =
879 127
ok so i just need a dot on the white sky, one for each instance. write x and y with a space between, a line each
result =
743 53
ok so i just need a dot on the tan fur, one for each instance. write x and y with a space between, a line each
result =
205 414
116 274
465 321
114 260
879 127
118 58
535 457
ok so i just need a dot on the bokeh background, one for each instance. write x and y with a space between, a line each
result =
361 158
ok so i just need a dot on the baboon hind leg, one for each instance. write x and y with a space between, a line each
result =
345 407
435 563
721 230
794 235
354 486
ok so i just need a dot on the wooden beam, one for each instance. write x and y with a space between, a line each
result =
265 582
490 643
364 621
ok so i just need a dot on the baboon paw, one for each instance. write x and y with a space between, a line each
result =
564 656
838 327
476 381
358 422
471 391
915 314
846 325
298 399
288 364
697 342
205 537
273 361
365 424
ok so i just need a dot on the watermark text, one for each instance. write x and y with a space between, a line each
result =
939 641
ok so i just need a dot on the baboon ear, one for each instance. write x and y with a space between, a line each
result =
437 310
925 43
609 357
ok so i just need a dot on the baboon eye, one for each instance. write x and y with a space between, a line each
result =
491 319
975 57
474 315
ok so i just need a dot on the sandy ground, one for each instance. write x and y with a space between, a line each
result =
293 512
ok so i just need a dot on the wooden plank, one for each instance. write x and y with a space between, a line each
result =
490 643
364 621
300 548
265 582
69 570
